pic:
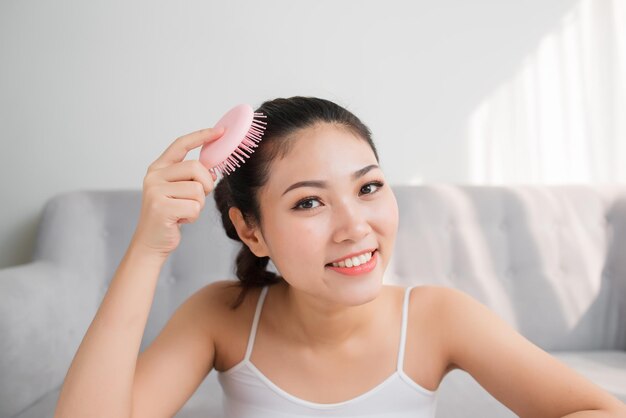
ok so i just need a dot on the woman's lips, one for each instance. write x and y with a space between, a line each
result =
354 255
360 269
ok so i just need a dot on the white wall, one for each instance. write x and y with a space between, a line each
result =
92 92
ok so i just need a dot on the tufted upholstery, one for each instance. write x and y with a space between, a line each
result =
549 260
546 260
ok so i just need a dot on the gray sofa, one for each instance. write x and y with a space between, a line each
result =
550 260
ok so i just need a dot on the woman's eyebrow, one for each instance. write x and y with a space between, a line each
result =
323 184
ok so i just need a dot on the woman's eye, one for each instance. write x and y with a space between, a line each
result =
309 202
375 184
304 204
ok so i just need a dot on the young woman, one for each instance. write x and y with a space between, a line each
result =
322 338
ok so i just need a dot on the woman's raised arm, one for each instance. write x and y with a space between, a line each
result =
100 380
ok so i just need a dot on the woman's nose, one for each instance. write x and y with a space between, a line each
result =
351 223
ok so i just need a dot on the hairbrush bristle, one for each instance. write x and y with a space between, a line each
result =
245 148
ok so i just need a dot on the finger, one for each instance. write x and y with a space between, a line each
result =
191 190
184 210
178 149
189 170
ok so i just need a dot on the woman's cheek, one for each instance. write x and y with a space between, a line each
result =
301 237
388 214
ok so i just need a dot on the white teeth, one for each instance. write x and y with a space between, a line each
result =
354 261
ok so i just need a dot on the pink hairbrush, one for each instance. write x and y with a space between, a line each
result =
243 130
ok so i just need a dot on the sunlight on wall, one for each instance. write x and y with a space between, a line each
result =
562 117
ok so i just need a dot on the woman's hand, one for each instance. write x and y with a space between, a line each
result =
174 192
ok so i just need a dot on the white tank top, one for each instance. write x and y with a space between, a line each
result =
248 393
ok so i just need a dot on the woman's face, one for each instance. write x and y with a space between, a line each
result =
350 210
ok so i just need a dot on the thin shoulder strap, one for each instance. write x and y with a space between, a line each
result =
255 323
405 315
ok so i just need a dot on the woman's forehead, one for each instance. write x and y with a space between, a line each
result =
324 153
314 146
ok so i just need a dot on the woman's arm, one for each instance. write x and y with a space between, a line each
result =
519 374
99 381
106 378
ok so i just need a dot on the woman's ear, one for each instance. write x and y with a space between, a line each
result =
251 236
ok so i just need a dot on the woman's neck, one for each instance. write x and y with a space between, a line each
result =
320 324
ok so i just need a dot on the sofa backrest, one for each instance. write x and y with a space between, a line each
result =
546 259
550 260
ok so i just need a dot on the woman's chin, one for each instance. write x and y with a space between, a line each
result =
358 292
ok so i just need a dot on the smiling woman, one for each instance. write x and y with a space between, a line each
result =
324 336
314 201
311 146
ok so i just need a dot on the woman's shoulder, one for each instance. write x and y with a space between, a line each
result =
228 326
442 302
424 294
435 294
219 289
425 301
452 317
224 313
221 296
432 305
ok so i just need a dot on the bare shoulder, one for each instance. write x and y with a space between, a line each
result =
218 299
454 311
434 301
443 301
425 333
218 293
427 292
228 326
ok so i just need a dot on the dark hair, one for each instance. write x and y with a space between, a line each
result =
284 116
